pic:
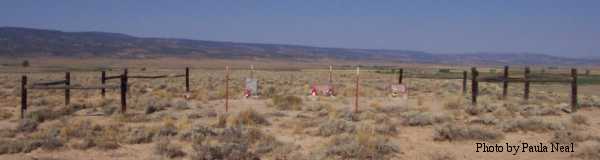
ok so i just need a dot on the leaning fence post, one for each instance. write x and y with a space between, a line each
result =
464 83
574 89
123 93
23 96
356 92
505 83
103 82
187 79
226 88
474 85
526 95
401 75
67 88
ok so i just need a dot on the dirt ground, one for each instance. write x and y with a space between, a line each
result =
435 122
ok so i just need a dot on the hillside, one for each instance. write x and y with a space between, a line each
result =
26 42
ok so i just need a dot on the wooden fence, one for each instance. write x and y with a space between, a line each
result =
505 79
463 77
527 79
66 85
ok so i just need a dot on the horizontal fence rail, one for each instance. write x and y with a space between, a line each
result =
156 77
49 83
75 87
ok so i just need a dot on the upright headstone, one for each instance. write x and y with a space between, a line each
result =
251 88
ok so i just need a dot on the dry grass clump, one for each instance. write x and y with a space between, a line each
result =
83 144
27 126
481 108
346 114
232 143
416 118
536 124
590 150
44 140
386 128
441 156
579 119
319 106
165 148
393 109
246 117
4 115
590 101
504 113
46 114
26 146
79 129
168 129
335 127
92 135
198 133
456 102
132 118
153 105
485 119
139 136
568 136
534 110
363 144
454 132
289 102
8 133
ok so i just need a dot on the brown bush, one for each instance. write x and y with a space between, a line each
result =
416 118
165 148
27 125
247 117
232 143
589 151
364 144
570 136
139 136
579 119
530 124
335 127
287 102
453 132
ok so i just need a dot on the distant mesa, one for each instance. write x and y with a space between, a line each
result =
27 42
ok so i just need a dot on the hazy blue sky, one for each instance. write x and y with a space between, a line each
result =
566 28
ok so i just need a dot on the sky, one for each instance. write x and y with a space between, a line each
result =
568 28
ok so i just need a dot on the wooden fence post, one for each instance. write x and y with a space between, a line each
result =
125 74
252 71
401 75
226 88
330 74
526 94
574 90
123 93
67 88
464 83
103 81
187 79
23 96
505 83
356 92
474 85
